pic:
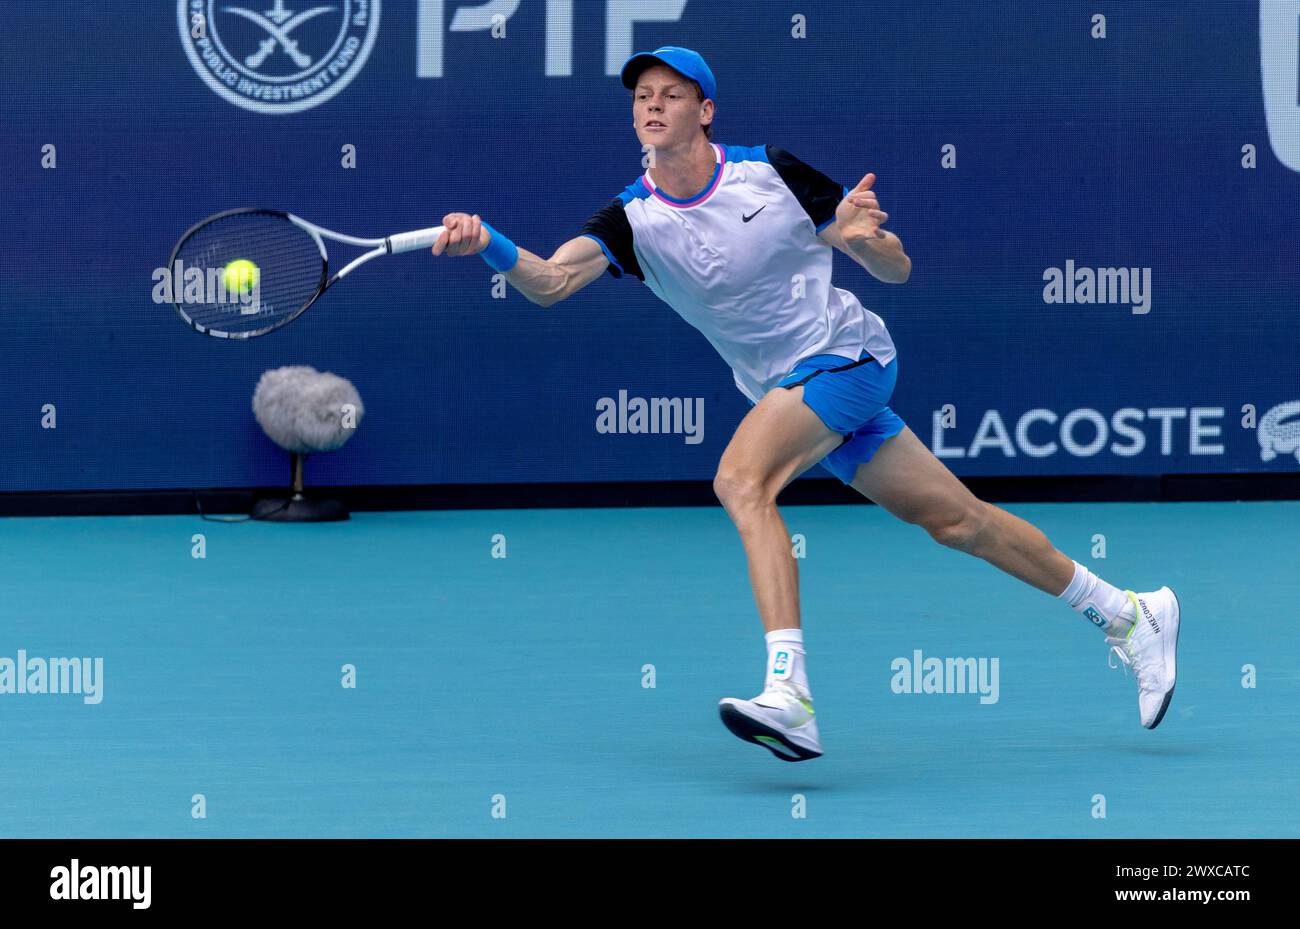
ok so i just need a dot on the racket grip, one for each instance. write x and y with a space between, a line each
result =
410 241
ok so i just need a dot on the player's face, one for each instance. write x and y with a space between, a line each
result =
665 108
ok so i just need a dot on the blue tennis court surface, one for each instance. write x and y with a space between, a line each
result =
482 678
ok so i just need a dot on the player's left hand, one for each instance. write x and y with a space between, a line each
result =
859 215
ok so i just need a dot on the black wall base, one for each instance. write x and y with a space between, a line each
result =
809 491
298 509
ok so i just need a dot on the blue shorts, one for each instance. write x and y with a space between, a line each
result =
850 397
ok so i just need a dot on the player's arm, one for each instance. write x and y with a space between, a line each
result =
543 281
845 219
856 232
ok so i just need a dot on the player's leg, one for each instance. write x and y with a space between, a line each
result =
778 440
905 478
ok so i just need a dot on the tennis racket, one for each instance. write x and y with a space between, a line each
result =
275 265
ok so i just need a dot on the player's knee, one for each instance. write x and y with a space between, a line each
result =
739 490
960 530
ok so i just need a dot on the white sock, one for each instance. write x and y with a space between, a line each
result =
1107 607
786 660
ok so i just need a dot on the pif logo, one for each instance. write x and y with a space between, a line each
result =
1097 619
281 60
1279 51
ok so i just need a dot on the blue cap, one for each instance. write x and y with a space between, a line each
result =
682 60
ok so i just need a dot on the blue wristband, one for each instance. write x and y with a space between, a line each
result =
501 254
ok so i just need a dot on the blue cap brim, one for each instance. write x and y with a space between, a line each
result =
689 64
636 64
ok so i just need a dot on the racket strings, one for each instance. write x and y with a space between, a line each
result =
289 272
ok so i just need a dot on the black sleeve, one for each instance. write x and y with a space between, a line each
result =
609 227
816 193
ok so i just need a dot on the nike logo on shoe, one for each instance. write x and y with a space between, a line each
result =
1150 619
745 218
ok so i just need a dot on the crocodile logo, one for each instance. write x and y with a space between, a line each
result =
1277 437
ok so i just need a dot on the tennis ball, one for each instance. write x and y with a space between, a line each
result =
241 276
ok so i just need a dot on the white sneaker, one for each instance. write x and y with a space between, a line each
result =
780 719
1151 650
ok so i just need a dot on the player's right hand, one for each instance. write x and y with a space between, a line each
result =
464 235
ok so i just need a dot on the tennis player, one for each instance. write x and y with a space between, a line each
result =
738 241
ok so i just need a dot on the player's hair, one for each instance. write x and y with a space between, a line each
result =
699 92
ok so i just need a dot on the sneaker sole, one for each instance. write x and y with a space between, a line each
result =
1164 705
753 731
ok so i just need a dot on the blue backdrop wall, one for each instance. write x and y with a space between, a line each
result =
1009 139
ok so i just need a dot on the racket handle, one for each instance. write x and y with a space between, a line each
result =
410 241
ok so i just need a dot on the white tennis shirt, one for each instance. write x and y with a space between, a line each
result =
741 261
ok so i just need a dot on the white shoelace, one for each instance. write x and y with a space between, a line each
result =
1139 664
1124 660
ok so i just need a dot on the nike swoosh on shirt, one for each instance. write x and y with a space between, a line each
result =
746 219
